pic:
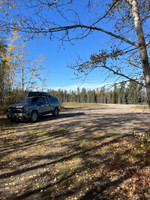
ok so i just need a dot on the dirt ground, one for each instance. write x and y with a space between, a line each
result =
31 155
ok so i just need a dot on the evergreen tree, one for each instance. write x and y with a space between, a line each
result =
122 94
78 95
102 95
65 96
83 95
73 97
132 96
91 96
114 95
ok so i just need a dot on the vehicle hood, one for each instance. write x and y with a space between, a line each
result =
18 105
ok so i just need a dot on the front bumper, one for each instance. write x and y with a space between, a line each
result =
18 116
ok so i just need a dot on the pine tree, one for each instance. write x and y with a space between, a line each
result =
122 94
132 96
102 95
114 95
78 95
73 96
91 96
83 95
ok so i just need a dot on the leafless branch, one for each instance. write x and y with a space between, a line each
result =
64 28
104 16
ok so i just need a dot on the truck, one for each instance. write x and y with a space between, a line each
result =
34 106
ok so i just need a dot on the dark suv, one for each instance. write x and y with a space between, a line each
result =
34 106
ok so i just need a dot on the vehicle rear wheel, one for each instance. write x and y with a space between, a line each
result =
56 112
34 116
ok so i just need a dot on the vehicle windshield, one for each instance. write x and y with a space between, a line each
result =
29 100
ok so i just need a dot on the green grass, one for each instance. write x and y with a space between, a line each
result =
142 107
71 105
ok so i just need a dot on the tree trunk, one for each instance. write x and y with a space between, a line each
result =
142 46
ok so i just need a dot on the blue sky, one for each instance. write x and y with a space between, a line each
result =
57 58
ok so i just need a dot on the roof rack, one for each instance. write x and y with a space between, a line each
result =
40 94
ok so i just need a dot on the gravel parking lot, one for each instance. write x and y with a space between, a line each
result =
67 157
110 119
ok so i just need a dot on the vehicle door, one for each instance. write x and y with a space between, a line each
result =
41 105
52 106
47 105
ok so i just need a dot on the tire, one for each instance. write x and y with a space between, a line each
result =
12 119
56 112
34 117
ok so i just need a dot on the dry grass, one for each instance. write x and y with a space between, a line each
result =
141 107
70 105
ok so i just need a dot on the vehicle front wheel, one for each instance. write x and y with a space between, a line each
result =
11 119
56 112
34 117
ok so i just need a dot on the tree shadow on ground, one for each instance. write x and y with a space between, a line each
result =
64 163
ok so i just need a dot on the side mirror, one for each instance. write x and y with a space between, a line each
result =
40 103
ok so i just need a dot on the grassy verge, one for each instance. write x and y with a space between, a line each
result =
142 107
61 164
71 105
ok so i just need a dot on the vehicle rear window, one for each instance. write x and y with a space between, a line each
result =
53 100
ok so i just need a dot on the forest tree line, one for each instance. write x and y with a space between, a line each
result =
124 93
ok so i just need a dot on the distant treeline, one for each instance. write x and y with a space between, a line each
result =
130 93
123 93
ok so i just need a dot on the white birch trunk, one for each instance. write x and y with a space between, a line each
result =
142 46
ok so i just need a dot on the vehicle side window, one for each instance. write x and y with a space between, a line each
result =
56 100
34 99
41 100
46 101
51 100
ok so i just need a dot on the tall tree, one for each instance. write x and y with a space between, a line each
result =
141 94
127 21
78 95
132 95
122 93
115 95
102 95
73 96
11 59
3 70
83 95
